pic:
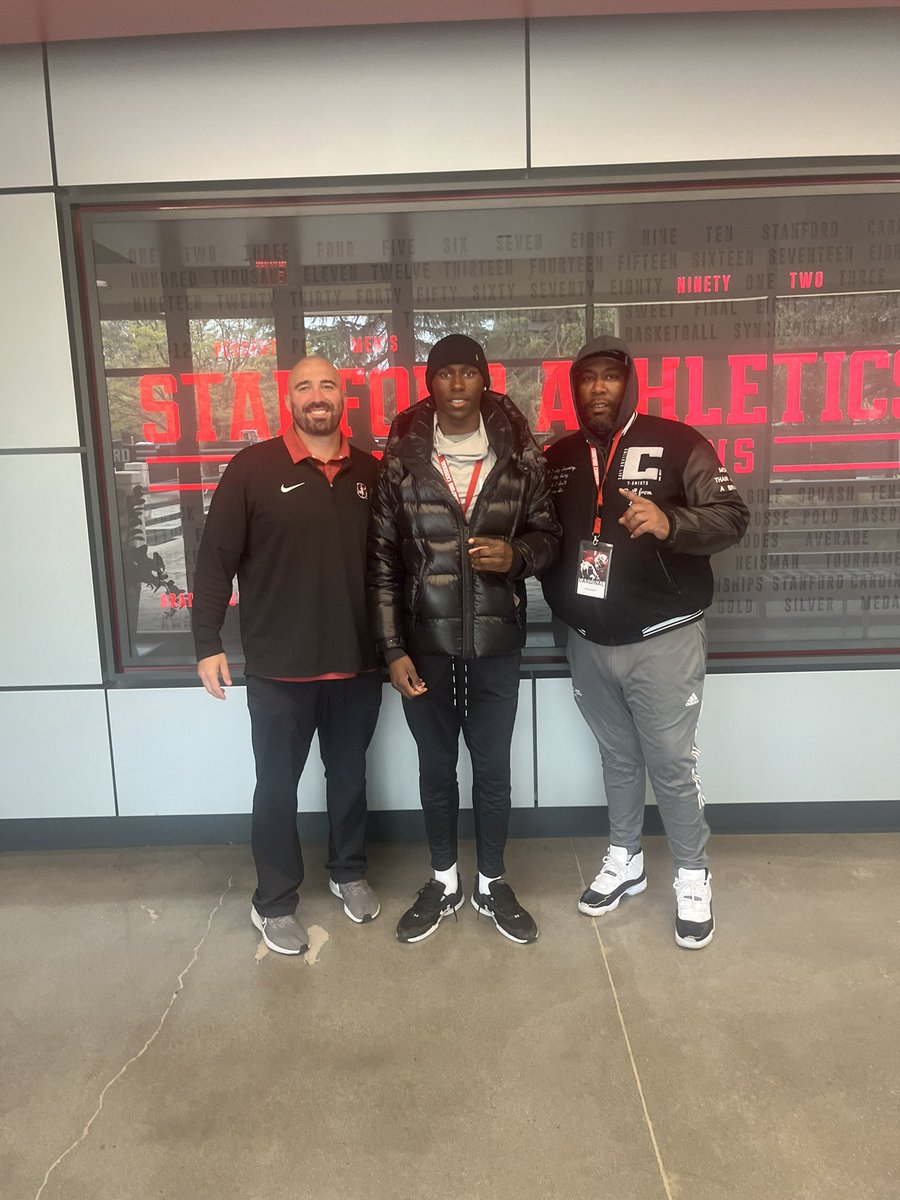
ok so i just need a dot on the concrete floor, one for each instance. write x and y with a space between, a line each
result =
150 1047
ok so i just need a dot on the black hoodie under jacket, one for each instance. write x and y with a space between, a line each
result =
654 585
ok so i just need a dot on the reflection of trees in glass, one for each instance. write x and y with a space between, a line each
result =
125 416
821 323
134 345
839 322
224 345
218 345
508 334
346 340
521 338
139 566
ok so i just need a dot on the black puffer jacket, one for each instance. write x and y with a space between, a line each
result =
424 596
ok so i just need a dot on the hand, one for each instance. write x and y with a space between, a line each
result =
405 678
490 554
210 670
642 516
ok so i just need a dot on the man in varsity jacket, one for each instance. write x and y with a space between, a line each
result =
643 503
289 518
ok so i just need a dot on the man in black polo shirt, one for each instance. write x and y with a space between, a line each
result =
289 518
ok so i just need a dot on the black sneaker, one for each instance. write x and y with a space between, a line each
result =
430 907
509 916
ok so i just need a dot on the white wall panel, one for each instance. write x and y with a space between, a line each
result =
816 735
763 739
55 755
37 394
714 86
301 103
177 751
47 609
568 761
24 131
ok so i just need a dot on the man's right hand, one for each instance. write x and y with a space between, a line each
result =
210 670
405 678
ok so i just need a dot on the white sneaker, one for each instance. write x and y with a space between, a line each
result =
619 876
694 922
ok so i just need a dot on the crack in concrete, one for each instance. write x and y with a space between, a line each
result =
146 1046
664 1175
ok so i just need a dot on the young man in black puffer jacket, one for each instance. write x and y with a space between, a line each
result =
461 517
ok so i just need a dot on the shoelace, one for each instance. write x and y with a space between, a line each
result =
430 896
504 900
355 886
693 894
611 870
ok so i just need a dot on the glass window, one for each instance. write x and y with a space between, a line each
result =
769 321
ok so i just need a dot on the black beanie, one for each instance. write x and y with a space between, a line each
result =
456 348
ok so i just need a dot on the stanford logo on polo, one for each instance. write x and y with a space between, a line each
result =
635 462
362 491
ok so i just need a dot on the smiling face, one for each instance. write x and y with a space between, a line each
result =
315 398
600 390
457 390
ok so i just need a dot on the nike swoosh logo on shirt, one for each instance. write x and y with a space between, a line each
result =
291 488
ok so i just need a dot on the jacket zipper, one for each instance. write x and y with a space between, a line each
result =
468 640
468 618
468 614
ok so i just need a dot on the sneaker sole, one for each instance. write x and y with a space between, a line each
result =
692 943
486 912
428 932
335 891
257 922
599 911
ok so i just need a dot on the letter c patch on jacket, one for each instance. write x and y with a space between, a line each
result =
634 463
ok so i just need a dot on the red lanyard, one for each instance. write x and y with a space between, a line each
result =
595 463
473 482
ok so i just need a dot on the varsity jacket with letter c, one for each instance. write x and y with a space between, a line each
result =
654 585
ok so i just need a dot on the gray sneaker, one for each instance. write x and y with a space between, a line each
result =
284 935
360 902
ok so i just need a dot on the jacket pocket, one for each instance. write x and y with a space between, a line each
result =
667 575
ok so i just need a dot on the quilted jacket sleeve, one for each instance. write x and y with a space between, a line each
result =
386 571
538 544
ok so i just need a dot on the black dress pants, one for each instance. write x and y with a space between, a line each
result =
478 696
283 718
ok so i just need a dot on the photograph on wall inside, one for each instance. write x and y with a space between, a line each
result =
771 323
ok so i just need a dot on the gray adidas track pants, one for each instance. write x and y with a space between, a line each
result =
642 703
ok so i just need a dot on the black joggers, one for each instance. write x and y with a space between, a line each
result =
478 696
283 718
